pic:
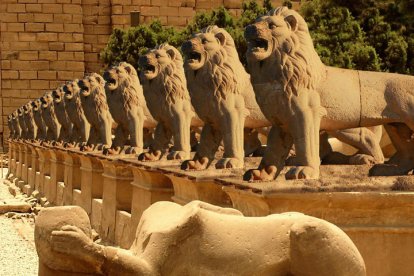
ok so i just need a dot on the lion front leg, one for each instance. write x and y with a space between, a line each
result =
181 134
136 130
304 127
159 145
118 142
105 133
209 143
279 143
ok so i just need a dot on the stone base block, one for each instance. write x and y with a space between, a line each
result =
21 184
27 189
60 191
77 197
123 236
96 214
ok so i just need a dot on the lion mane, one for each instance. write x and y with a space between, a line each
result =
221 67
98 94
128 86
300 65
171 79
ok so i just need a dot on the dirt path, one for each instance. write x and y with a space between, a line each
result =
17 251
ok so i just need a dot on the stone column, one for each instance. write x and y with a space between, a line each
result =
44 170
149 185
116 205
72 178
12 159
91 181
19 160
57 170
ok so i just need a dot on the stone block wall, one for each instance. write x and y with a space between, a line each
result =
46 42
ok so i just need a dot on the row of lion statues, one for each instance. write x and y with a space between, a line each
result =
288 94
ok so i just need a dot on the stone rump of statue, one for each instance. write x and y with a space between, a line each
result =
62 116
198 239
301 96
37 115
222 96
128 108
96 110
165 90
73 106
49 117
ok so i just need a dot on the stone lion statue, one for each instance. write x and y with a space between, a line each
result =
11 126
17 130
93 100
22 122
168 99
301 96
66 125
37 115
49 117
29 121
222 96
73 106
128 108
215 240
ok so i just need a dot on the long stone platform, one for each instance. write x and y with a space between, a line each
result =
376 212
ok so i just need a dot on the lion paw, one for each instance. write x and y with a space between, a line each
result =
111 150
303 172
86 148
229 163
150 156
268 173
197 164
362 159
178 155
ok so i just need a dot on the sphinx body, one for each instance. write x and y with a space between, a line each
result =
10 126
168 99
301 96
214 240
37 115
62 116
76 115
222 96
49 117
29 121
128 108
95 106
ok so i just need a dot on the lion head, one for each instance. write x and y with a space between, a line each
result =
212 56
71 90
27 108
123 78
58 95
47 100
93 86
36 105
162 70
280 49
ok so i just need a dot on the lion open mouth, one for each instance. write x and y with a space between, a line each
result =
68 93
194 57
84 89
150 71
111 83
258 45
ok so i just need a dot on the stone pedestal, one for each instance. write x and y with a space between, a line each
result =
201 185
44 170
116 202
91 181
27 160
72 177
19 160
379 219
57 171
33 167
149 185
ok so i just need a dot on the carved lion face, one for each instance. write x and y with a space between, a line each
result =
90 82
57 95
199 48
46 99
267 34
14 114
71 89
154 62
20 111
117 75
36 105
27 108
